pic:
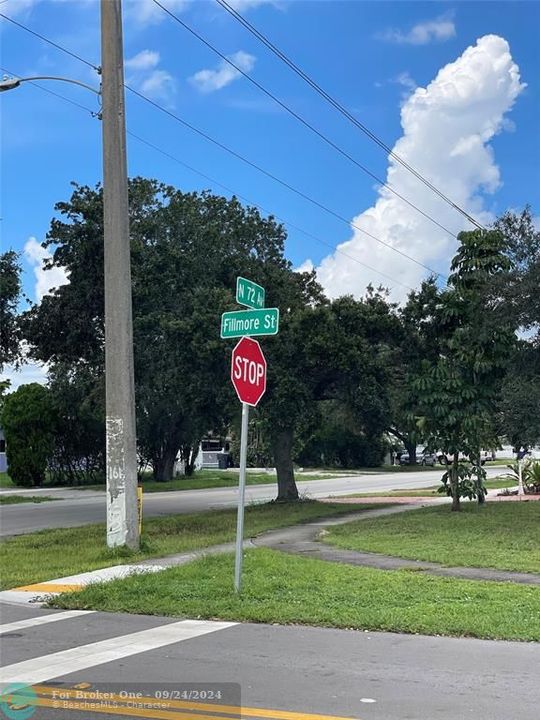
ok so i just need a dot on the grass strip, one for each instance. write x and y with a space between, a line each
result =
502 535
432 491
17 499
285 589
51 554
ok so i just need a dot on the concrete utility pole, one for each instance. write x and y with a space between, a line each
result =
122 522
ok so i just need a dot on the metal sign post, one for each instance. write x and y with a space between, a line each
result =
248 376
241 499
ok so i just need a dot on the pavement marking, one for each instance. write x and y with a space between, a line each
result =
225 711
128 711
49 587
69 661
42 620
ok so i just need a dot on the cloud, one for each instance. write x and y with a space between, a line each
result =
244 5
146 12
28 373
207 81
145 60
437 30
142 71
447 127
306 266
46 280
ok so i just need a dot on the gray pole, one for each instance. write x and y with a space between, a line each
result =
122 524
241 497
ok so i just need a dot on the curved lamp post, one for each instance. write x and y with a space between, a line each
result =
10 83
121 452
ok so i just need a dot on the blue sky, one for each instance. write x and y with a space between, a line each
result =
474 134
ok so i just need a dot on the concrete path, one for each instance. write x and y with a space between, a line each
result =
304 540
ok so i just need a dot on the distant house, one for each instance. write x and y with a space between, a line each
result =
3 459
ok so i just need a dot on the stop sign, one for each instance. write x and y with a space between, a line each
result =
248 371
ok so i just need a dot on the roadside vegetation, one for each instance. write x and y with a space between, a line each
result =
50 554
18 499
280 588
433 490
503 535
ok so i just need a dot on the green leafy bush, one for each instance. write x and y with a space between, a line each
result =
28 422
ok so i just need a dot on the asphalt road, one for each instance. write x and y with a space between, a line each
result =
82 507
284 673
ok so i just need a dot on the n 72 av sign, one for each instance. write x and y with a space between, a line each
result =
249 293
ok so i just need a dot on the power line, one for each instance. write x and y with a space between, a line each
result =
51 42
220 184
265 210
302 120
343 110
248 162
277 179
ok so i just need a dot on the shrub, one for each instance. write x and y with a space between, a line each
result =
28 422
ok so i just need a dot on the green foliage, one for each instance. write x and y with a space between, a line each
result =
470 482
29 426
339 441
530 475
458 391
77 397
187 249
10 291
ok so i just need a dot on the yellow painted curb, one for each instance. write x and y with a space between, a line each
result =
49 587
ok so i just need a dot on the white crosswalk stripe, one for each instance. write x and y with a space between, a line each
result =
42 620
66 662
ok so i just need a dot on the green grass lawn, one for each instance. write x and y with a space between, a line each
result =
5 481
17 499
280 588
50 554
503 535
431 491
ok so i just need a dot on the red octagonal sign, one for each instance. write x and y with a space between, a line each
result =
248 371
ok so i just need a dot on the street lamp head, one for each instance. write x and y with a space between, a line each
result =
8 83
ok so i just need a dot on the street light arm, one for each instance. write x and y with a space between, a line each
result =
12 83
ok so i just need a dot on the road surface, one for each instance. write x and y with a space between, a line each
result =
280 673
82 507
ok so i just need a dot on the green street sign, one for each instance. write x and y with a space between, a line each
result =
249 294
241 323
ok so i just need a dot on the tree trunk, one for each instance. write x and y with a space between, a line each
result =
282 443
411 449
481 498
164 465
454 483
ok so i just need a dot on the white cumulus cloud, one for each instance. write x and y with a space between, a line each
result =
144 60
447 127
46 280
207 81
437 30
146 12
143 72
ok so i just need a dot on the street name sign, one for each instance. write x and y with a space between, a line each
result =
242 323
249 293
248 371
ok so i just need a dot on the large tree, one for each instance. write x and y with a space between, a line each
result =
520 395
417 338
458 392
327 351
10 291
187 249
